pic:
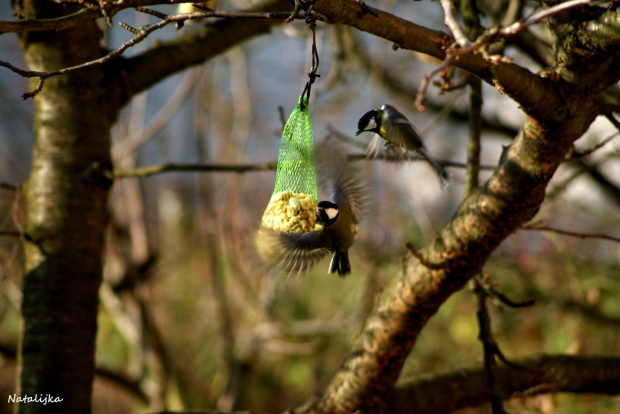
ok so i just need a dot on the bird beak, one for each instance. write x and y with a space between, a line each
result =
358 132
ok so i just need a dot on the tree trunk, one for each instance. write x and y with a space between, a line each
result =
67 215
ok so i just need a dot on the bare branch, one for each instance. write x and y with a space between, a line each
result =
147 171
200 45
45 25
450 19
9 187
541 15
613 120
489 346
541 374
164 168
542 227
140 34
463 46
89 12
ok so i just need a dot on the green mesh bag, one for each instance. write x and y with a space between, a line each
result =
292 207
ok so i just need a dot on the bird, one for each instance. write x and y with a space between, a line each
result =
335 229
399 134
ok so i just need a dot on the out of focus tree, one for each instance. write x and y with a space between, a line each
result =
80 88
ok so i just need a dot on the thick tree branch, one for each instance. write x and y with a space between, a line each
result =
197 46
585 37
88 13
540 97
142 33
541 374
45 25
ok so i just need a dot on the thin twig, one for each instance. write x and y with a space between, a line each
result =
489 346
541 227
509 302
588 151
422 259
426 79
13 233
170 167
613 120
9 187
147 171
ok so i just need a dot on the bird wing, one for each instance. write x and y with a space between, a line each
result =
290 252
350 190
342 181
375 146
402 132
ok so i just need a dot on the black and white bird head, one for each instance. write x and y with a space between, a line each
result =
369 122
326 213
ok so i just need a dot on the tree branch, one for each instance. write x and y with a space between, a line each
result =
170 167
541 374
89 12
489 347
45 25
199 46
142 33
594 171
538 96
9 187
542 227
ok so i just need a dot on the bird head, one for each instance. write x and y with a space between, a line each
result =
371 121
326 213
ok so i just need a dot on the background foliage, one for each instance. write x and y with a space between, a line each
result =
186 319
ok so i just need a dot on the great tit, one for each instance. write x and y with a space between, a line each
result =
399 134
337 220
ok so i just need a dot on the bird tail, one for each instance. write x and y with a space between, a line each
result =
340 263
444 177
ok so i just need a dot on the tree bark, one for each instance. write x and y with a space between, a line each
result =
67 216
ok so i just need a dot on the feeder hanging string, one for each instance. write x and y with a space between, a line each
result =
311 20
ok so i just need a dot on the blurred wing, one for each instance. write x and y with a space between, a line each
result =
290 252
343 181
350 190
375 146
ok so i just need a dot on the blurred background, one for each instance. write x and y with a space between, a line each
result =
187 318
